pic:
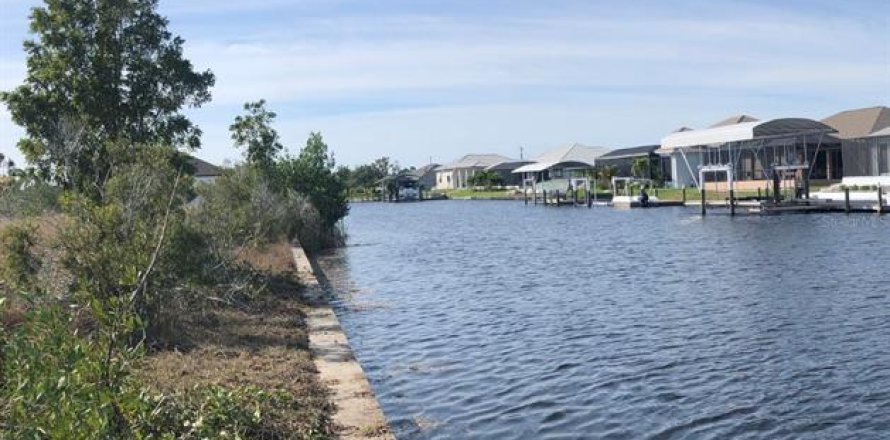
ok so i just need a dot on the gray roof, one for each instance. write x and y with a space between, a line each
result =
859 123
743 131
426 169
880 133
203 168
624 153
572 153
476 161
736 119
509 165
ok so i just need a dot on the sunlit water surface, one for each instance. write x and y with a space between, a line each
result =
497 320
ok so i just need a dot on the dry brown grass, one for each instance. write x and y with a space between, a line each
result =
12 314
51 277
264 345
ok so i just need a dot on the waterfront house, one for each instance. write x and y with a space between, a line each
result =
426 175
745 153
204 171
865 136
505 171
657 167
557 168
457 174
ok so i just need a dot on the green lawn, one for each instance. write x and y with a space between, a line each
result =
480 194
692 194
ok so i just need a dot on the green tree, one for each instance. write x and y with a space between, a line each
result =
368 175
487 179
312 173
101 71
641 167
255 134
604 176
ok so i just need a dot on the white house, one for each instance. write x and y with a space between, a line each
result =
456 174
561 164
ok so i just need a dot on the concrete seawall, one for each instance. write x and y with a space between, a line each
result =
357 414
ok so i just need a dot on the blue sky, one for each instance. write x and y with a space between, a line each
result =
418 80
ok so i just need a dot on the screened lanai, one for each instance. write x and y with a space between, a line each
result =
747 155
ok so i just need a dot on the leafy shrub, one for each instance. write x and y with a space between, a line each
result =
312 173
18 264
55 383
240 209
32 198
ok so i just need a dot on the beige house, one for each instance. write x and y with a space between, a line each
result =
456 174
865 136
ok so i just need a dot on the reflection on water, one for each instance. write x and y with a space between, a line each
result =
497 320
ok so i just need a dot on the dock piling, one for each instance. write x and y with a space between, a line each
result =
880 200
847 200
704 202
684 195
731 202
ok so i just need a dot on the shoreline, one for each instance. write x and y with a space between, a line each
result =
357 413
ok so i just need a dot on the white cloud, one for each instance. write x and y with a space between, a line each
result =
357 57
613 75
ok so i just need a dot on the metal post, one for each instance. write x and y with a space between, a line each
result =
847 200
525 189
704 202
731 202
806 185
594 189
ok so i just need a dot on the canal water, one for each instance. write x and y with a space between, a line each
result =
497 320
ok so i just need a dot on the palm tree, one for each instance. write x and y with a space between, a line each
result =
641 167
487 179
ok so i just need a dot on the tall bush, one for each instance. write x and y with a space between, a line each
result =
312 173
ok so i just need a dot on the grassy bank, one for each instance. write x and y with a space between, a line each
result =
260 344
693 195
470 194
153 316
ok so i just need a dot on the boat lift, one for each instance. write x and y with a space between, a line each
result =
623 197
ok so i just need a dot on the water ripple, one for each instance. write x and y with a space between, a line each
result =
496 320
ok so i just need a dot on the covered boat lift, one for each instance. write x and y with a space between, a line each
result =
751 150
773 155
561 170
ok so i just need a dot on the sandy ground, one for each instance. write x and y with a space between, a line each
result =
357 414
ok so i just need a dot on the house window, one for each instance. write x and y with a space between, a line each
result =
449 178
556 173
